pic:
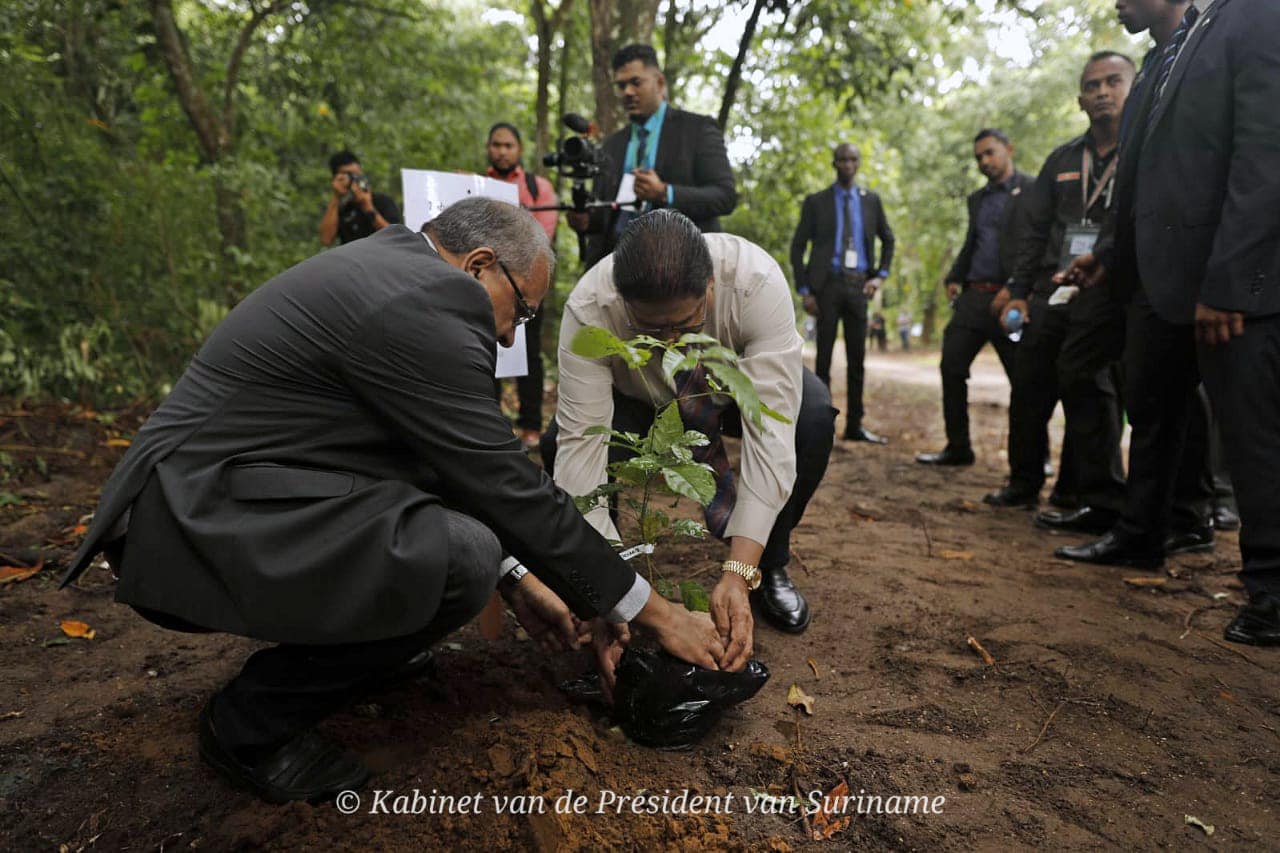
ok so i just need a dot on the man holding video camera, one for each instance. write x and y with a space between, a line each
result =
671 158
354 210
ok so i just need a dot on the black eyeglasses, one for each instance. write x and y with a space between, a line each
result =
665 332
524 311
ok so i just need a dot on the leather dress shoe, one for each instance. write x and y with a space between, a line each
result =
781 603
1063 501
1194 541
1009 496
1225 518
1111 550
863 434
948 456
306 768
1086 519
1257 623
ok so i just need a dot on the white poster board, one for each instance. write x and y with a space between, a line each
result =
426 193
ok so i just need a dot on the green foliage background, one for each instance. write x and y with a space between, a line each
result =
111 271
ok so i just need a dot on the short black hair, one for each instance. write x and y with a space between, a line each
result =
994 133
632 52
505 125
342 158
661 256
1104 55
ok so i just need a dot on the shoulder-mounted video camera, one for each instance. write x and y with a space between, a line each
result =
577 157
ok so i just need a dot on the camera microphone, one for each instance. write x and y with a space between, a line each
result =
577 123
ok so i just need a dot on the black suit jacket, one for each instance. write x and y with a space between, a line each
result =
294 477
1205 196
690 157
818 227
1009 222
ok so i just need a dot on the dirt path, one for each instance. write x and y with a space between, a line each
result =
1111 713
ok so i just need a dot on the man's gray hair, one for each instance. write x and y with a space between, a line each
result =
512 232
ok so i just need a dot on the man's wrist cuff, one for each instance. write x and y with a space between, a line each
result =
507 566
630 605
882 274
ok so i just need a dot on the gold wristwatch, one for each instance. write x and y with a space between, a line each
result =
750 574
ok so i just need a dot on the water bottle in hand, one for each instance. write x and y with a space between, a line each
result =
1013 321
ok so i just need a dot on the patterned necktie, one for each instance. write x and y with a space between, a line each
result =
699 411
1170 56
625 216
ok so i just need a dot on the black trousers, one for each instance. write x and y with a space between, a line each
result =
1169 484
284 690
529 386
1243 381
815 433
1068 353
841 300
971 327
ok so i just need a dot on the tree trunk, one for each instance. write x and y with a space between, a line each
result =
735 72
614 24
546 27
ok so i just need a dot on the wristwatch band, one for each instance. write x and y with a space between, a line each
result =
749 573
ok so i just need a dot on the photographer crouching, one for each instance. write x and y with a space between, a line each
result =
354 210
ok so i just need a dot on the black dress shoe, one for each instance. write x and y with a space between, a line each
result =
863 434
1009 496
1111 550
1061 501
781 603
1225 518
1257 623
949 456
1194 541
306 768
1086 519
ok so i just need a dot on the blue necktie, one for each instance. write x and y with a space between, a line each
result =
1170 55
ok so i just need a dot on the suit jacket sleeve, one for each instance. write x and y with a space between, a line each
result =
713 191
424 364
799 242
1246 246
885 233
960 268
1037 209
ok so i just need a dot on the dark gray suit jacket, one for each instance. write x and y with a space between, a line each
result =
1204 200
691 157
818 226
291 483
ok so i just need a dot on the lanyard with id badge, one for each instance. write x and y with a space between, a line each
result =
1080 238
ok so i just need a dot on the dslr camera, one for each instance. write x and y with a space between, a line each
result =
353 181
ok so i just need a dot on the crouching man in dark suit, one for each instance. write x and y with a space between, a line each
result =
333 474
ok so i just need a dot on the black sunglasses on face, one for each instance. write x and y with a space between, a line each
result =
524 311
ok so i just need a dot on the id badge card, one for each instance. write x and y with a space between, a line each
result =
851 259
1078 240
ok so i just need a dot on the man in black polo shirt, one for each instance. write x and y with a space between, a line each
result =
1071 340
976 284
354 210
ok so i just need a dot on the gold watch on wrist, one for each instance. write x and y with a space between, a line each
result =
750 574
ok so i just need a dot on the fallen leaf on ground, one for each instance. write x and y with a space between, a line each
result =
17 574
828 820
11 715
797 698
1146 581
947 554
813 665
56 641
118 442
1192 820
72 628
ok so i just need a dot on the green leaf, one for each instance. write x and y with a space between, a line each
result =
694 597
694 339
777 416
637 471
667 429
695 481
595 342
654 524
599 429
664 588
690 528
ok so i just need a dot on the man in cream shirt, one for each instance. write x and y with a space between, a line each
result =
665 279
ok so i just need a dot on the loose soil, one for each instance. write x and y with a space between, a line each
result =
1111 713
